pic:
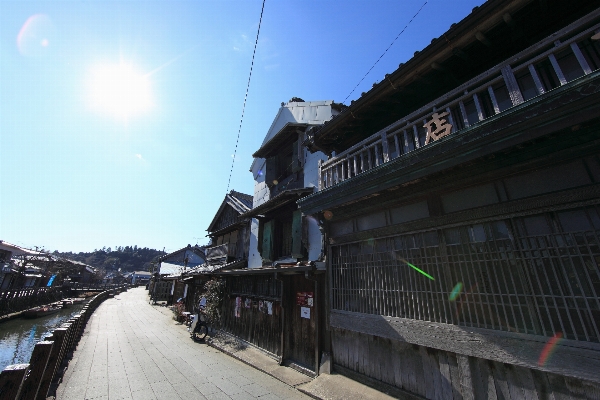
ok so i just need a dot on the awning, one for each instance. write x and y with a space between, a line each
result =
210 268
279 139
281 268
227 229
283 198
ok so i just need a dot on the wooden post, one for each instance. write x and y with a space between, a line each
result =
536 79
511 84
54 361
11 380
581 59
38 363
385 146
557 70
320 175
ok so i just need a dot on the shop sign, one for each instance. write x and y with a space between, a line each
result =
305 299
438 127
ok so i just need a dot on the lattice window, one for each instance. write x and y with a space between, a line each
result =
536 275
254 286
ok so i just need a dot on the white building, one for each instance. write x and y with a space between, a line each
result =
283 172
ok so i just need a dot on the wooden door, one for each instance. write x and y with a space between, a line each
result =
162 290
300 324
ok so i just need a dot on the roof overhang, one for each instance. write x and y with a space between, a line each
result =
227 229
360 113
283 198
279 139
284 269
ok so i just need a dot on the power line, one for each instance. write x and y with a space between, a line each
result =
245 97
386 50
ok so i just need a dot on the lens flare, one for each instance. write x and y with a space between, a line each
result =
549 348
35 36
456 291
415 268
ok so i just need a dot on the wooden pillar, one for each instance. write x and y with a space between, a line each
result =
54 361
38 363
11 380
511 85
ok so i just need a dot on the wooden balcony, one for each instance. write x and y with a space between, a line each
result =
222 253
530 74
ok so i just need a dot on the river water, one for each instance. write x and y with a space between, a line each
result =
19 336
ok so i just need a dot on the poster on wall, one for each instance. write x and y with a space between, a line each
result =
305 299
238 306
305 312
269 307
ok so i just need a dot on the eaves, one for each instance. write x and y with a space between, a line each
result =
563 107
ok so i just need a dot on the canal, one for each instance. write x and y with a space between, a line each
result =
19 336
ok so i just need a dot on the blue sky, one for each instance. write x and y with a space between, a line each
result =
83 165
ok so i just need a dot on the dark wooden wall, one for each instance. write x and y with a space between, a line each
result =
228 217
436 374
254 326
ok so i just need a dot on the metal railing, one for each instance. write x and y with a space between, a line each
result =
551 63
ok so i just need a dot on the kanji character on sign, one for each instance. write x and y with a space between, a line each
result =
438 127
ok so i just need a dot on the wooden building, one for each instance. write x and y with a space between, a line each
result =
229 233
460 205
273 304
169 284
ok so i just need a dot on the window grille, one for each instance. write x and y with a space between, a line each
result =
537 275
254 286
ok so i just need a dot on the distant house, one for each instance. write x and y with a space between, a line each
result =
140 277
15 271
171 270
80 272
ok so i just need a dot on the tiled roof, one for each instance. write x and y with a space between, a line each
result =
244 198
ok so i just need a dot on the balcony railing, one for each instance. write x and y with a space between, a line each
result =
221 251
551 63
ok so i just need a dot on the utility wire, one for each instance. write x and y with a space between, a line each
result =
245 97
386 50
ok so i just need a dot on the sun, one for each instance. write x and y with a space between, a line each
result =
119 91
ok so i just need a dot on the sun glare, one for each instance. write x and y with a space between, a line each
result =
118 90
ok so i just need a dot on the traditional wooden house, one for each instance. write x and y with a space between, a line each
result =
229 233
170 285
274 302
460 204
16 268
230 237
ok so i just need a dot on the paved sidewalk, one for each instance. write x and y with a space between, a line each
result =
132 350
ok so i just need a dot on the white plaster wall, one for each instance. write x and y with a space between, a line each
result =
254 258
311 179
261 195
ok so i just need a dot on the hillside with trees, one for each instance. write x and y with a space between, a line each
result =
127 259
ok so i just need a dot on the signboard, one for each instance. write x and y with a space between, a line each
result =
305 312
305 299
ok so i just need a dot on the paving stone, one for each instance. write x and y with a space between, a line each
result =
146 394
